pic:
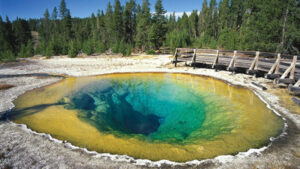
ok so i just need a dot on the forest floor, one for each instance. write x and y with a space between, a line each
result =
22 148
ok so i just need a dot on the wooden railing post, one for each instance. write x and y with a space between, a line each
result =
277 63
232 62
194 59
216 60
175 57
275 68
253 68
257 59
291 71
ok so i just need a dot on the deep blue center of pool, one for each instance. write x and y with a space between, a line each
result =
158 110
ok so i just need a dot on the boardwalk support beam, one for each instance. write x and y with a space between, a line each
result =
254 65
194 59
216 60
274 71
175 57
231 66
290 71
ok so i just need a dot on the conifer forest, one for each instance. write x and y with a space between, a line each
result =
250 25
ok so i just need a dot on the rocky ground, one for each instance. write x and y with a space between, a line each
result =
22 148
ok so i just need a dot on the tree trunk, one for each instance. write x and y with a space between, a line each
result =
284 27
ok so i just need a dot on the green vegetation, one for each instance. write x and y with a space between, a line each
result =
265 25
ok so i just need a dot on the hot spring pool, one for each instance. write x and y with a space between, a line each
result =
152 116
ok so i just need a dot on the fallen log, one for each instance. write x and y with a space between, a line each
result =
258 86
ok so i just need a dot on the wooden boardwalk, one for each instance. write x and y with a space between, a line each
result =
283 68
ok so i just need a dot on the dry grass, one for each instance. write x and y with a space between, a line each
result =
5 86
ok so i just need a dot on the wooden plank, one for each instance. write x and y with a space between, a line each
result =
240 62
209 51
253 53
265 64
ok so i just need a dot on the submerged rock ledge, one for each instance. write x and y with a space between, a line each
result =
22 149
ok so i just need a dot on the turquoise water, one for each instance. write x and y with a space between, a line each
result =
154 110
150 115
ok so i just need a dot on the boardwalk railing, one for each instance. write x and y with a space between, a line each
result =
284 68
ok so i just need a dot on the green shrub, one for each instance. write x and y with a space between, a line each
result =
128 50
88 47
122 48
73 49
150 52
48 51
115 48
213 44
7 56
101 48
26 51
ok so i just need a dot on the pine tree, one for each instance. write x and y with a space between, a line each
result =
172 22
224 15
45 27
88 47
212 18
203 18
73 49
193 24
117 22
129 16
22 51
237 11
48 52
68 26
143 26
9 35
108 23
54 14
63 9
184 22
26 50
102 29
265 25
260 27
54 23
290 32
159 28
